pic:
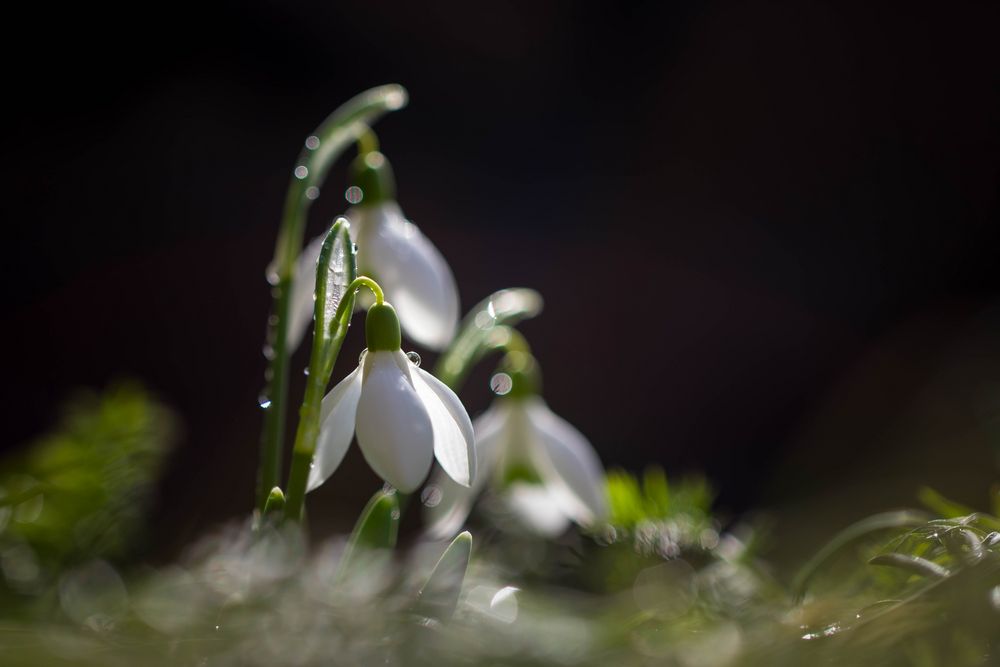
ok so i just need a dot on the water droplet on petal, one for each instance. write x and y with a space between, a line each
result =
484 320
414 358
431 496
301 172
312 142
264 401
271 273
501 384
268 352
305 371
312 192
354 195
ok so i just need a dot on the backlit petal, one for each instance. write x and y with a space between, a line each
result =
452 501
414 275
337 416
536 508
454 440
568 464
394 430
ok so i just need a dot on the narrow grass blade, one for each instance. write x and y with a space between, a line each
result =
913 564
885 521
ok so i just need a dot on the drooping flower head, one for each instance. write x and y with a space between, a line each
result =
403 416
392 250
544 469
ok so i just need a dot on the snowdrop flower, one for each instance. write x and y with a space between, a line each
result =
404 417
546 471
392 250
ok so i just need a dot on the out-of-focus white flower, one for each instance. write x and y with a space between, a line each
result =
404 417
546 471
391 249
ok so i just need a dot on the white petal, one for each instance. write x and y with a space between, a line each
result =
537 508
302 300
454 501
393 427
414 275
337 416
454 440
568 464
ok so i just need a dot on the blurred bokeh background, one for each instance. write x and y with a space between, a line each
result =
766 232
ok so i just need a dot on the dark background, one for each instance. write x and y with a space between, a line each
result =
766 232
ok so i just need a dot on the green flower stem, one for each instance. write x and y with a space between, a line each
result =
365 281
367 141
326 349
342 128
477 333
507 339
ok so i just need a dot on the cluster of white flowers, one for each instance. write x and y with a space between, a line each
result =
404 417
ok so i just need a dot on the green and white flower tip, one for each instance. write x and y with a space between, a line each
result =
404 417
546 471
391 249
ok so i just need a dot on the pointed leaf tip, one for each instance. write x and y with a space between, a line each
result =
439 596
378 524
375 531
275 502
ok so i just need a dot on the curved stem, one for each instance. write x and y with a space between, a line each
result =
365 281
506 339
341 128
367 141
505 307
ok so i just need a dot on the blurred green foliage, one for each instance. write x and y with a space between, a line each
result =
664 582
652 499
80 492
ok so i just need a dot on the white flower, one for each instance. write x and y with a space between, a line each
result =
404 418
520 437
391 249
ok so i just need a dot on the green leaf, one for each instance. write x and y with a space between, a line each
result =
81 492
914 564
439 596
505 307
275 502
936 502
335 271
656 490
854 532
376 529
